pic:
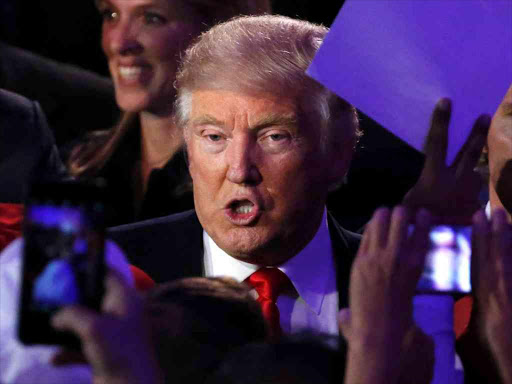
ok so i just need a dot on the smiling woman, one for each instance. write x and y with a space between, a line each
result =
141 158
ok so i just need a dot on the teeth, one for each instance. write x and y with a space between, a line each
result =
130 72
244 208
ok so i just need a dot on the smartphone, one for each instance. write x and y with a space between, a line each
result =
448 262
63 257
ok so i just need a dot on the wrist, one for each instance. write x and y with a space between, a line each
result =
370 366
148 377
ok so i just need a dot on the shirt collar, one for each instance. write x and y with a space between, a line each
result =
311 271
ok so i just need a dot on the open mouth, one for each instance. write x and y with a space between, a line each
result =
132 74
242 212
129 72
242 207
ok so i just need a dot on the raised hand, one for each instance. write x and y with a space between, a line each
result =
116 342
449 193
382 284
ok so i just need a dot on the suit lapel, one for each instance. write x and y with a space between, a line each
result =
192 251
344 245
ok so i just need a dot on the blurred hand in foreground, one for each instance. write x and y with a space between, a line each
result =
379 326
116 342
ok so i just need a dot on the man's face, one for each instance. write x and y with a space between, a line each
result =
260 177
499 144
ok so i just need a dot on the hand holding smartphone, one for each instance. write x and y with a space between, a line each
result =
63 257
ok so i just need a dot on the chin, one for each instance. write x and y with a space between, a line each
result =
132 102
241 243
251 247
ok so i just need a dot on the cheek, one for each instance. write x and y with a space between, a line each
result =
105 40
203 168
163 47
298 182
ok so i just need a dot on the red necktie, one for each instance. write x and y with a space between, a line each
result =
11 216
269 283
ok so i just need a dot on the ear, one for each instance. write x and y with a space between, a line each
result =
339 160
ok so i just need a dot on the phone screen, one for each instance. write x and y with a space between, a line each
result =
448 261
63 258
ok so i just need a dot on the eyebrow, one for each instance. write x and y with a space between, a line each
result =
207 120
268 120
100 3
273 119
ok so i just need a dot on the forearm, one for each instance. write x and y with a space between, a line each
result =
500 341
372 363
477 360
150 374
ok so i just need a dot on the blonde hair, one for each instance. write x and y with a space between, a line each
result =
265 53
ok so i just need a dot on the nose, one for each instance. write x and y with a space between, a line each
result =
122 38
242 162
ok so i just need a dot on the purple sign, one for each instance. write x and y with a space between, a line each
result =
393 59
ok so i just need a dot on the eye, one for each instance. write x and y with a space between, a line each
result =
214 138
277 136
276 140
212 141
152 18
108 14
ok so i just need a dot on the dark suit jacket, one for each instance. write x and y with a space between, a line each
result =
168 190
27 147
74 100
171 247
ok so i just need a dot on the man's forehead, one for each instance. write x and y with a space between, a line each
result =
218 107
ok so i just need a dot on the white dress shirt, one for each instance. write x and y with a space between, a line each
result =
312 271
31 364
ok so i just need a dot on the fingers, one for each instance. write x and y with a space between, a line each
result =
379 228
344 318
505 106
365 242
468 156
386 237
399 226
498 226
78 320
418 244
436 143
120 301
501 243
480 247
375 233
120 298
491 266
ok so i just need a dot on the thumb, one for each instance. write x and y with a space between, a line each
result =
76 319
344 323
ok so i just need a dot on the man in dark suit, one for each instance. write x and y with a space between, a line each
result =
27 150
27 147
75 101
263 152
